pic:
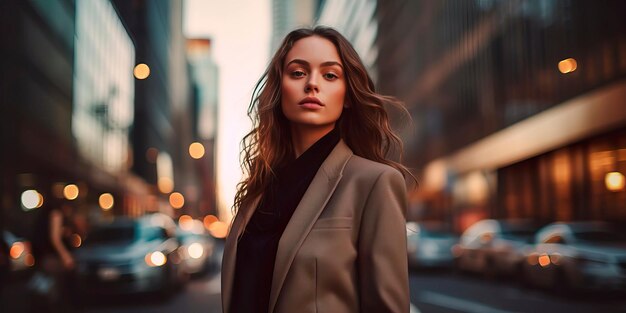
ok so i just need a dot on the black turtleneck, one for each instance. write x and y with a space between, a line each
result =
256 250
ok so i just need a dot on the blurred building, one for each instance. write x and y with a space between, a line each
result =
356 20
288 15
518 106
205 77
67 98
164 104
81 122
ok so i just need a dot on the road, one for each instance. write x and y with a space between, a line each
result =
441 292
434 292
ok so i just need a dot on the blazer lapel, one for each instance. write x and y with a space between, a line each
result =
308 210
229 257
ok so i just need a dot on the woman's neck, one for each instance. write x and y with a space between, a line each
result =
303 138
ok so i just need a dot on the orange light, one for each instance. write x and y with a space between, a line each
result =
185 222
166 184
544 260
70 192
208 220
196 150
568 65
219 229
614 181
76 241
16 250
106 201
29 260
177 200
141 71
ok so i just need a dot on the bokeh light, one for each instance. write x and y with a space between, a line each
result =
614 181
568 65
70 192
142 71
177 200
106 201
196 150
31 199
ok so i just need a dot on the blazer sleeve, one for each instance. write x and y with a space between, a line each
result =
382 255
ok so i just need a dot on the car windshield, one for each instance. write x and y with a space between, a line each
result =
111 234
600 236
518 234
435 234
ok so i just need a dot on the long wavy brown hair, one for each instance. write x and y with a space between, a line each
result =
364 125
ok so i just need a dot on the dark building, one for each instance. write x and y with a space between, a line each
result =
36 61
519 107
164 101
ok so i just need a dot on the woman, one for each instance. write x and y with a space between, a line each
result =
320 223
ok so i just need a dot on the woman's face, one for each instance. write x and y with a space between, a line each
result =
313 84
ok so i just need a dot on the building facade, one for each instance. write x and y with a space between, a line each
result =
518 106
205 74
164 102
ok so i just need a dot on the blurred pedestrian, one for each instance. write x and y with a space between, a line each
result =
320 221
55 263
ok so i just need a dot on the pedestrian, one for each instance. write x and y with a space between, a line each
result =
52 251
320 217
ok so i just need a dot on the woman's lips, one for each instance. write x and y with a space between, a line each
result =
311 105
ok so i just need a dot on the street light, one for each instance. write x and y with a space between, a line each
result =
196 150
141 71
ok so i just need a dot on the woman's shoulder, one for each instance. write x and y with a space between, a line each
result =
361 166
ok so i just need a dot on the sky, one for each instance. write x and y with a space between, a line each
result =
240 32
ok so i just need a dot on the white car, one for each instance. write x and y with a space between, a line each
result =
429 245
130 256
494 247
577 255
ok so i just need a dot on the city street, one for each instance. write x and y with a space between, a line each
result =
137 137
199 295
442 292
431 292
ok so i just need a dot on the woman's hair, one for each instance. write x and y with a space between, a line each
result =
363 125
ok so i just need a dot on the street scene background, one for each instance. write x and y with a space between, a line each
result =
121 123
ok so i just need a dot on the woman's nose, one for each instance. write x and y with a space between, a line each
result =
311 85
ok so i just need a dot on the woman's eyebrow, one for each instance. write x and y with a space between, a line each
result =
307 64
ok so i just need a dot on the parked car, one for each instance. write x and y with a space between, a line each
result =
494 247
429 245
130 255
196 249
577 255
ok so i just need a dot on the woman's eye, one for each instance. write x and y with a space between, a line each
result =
297 74
330 76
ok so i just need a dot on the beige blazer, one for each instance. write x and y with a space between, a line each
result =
344 249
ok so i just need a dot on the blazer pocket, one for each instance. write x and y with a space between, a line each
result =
333 222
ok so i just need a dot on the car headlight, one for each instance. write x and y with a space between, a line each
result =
156 258
195 250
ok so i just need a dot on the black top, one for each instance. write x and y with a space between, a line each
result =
256 250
